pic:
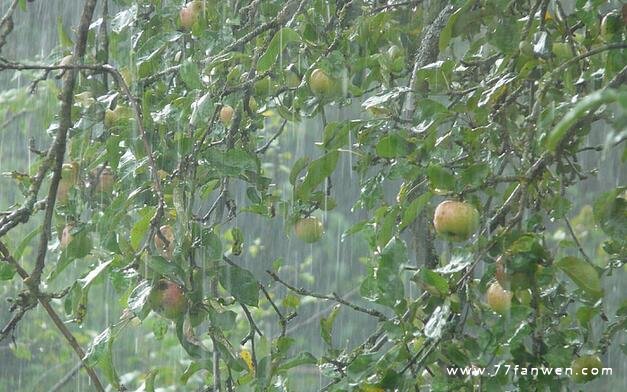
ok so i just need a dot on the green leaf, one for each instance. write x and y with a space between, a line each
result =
139 229
435 326
440 178
335 135
585 106
233 162
99 348
240 283
63 36
202 109
276 46
190 74
318 171
393 146
167 268
303 358
298 167
414 209
610 212
6 271
432 282
138 300
326 325
583 274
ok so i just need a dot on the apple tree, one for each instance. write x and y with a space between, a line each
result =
195 141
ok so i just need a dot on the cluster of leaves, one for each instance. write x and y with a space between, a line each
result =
474 100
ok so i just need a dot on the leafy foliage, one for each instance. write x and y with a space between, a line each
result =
491 102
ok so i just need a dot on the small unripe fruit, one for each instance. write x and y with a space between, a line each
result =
309 229
456 220
105 181
320 83
226 114
499 299
252 104
168 299
586 368
168 234
69 176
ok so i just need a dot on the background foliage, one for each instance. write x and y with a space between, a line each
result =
517 107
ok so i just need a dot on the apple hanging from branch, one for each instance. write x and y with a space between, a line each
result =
499 299
456 220
309 229
168 299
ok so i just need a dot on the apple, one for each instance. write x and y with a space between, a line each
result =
69 176
320 83
168 299
188 15
583 366
456 220
67 60
168 233
226 114
309 229
66 235
499 299
104 183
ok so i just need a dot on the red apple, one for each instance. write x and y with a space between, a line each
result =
168 299
456 220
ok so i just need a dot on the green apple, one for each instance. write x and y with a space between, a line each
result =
499 299
168 299
168 234
252 104
456 220
226 115
584 368
309 229
320 83
69 177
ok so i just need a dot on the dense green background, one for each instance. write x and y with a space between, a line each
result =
490 95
